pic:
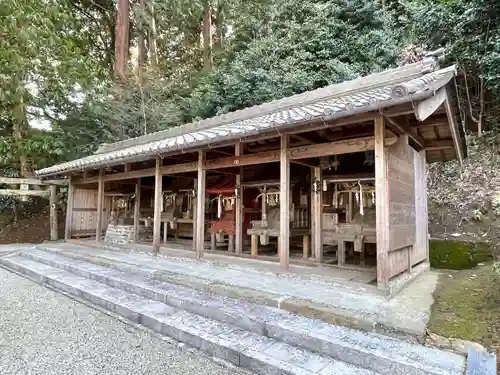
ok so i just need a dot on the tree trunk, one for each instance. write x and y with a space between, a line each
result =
122 39
153 57
219 25
207 38
141 50
18 130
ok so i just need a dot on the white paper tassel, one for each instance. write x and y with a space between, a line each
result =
325 186
361 208
219 207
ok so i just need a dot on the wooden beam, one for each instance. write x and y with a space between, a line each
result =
242 160
382 204
69 210
54 225
239 205
304 163
296 153
137 209
284 238
406 129
273 146
336 148
317 215
24 193
303 139
220 152
200 206
31 181
430 124
157 207
165 170
450 114
440 144
428 106
100 202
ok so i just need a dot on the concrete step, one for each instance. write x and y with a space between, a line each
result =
367 350
258 353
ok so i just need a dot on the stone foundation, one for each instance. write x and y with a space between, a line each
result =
119 234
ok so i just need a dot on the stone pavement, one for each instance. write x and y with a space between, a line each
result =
333 299
263 339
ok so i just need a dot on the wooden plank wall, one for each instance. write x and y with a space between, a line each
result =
84 218
421 249
401 189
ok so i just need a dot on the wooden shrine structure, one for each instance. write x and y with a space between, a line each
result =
357 151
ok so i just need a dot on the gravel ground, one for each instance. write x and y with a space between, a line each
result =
43 332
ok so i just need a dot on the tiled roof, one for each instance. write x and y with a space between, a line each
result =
337 106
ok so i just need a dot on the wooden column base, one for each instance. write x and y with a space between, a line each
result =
254 246
305 246
362 256
341 253
212 241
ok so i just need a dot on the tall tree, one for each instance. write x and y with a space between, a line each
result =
207 36
152 38
44 64
122 39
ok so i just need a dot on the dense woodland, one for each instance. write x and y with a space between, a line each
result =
96 71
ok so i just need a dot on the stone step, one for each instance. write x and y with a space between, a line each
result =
367 350
260 354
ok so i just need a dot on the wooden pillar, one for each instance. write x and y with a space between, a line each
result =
382 204
54 225
157 208
230 243
305 246
200 206
425 208
165 231
195 183
350 208
213 241
254 245
239 206
100 203
317 216
284 238
421 214
137 209
69 210
341 252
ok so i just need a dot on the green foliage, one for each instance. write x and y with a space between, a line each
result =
57 58
457 255
496 268
46 61
470 31
143 105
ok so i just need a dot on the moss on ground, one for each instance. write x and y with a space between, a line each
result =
457 255
467 306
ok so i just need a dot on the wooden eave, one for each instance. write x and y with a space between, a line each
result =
393 93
